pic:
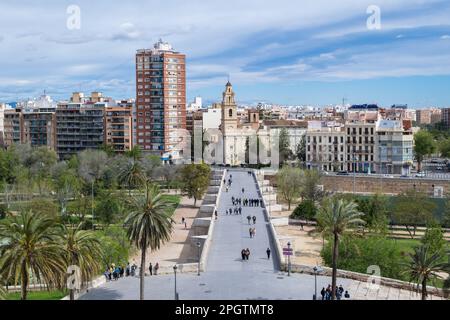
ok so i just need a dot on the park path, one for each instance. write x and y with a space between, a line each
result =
231 232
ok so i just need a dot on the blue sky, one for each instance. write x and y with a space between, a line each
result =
284 51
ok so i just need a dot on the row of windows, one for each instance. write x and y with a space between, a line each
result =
353 131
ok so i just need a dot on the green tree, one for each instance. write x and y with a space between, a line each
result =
424 266
335 218
412 209
310 188
305 210
195 179
30 244
149 225
289 183
357 253
434 238
132 175
375 209
42 206
109 208
444 147
40 162
3 211
135 153
284 146
424 145
83 250
300 150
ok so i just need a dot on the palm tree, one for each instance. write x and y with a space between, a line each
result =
149 224
83 249
132 175
29 246
424 265
335 218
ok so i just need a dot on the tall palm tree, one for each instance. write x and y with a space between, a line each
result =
83 249
424 266
132 175
149 224
29 246
335 218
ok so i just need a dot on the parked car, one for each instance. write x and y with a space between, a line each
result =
420 175
342 173
388 176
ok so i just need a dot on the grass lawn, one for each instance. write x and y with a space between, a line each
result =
38 295
172 198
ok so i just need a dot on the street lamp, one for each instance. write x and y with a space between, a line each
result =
175 272
354 171
316 270
198 251
289 259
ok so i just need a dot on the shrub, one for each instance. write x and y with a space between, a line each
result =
358 253
305 210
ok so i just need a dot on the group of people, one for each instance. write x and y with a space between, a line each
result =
327 293
236 211
247 202
250 218
252 232
245 253
228 183
153 270
114 272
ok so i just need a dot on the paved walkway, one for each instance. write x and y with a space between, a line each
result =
231 232
227 277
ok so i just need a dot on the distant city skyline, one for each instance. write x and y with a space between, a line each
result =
282 52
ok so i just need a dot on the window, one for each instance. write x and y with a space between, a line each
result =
230 112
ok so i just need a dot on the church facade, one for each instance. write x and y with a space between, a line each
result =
244 142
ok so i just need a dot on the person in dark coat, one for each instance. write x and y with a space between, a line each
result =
268 253
322 292
150 269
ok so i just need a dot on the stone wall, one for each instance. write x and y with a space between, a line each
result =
367 184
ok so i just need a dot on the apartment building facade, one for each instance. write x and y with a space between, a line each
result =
360 129
118 127
394 140
160 100
79 125
325 146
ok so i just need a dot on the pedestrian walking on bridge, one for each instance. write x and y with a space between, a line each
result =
268 253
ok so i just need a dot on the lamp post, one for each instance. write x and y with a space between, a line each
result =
175 272
289 259
198 251
354 172
316 269
92 203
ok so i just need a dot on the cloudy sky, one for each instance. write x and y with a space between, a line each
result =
284 51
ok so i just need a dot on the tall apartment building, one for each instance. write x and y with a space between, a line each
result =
31 122
325 146
445 117
118 127
160 99
360 127
38 128
395 141
3 107
12 125
79 124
